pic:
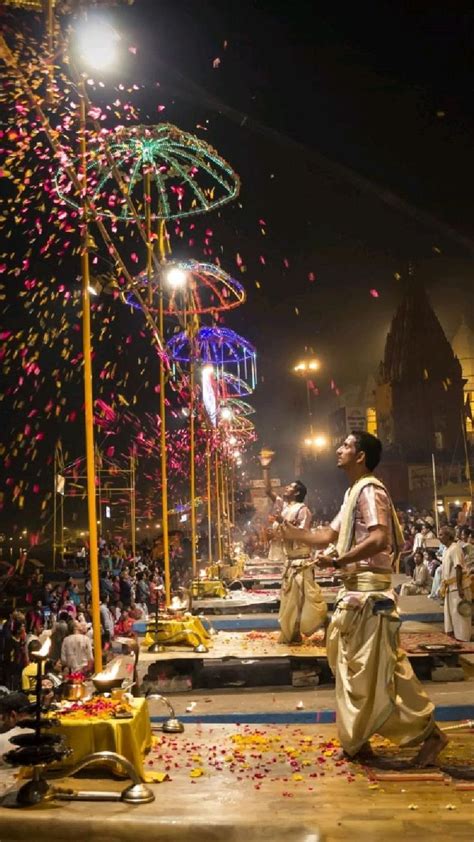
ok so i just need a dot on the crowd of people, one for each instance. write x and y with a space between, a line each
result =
441 566
131 587
436 565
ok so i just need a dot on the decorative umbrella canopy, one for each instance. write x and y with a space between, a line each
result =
219 347
238 407
187 176
228 386
188 286
237 424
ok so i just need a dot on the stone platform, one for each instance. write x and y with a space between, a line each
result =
253 784
265 644
257 660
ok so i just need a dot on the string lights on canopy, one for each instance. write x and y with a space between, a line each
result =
219 347
187 175
188 286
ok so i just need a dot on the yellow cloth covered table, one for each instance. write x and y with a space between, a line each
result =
188 631
202 588
230 572
130 737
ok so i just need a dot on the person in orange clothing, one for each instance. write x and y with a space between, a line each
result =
124 626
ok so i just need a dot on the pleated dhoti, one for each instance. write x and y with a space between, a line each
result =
302 607
376 688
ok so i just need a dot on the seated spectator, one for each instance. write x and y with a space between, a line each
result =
436 584
421 581
137 612
431 562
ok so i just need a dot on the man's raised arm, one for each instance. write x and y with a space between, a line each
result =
268 486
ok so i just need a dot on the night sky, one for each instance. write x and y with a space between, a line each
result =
351 128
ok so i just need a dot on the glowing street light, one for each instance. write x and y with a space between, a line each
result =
304 367
96 44
317 442
176 277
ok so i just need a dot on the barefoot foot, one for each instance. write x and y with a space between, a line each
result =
431 748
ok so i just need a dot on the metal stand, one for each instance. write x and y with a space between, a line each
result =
136 793
172 725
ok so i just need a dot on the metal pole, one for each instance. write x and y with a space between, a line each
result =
164 466
223 506
99 491
225 489
61 524
50 47
132 504
209 498
55 514
88 398
435 493
218 506
232 492
192 453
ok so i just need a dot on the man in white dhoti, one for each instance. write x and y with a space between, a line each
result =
302 607
456 588
376 689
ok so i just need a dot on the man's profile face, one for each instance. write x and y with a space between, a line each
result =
290 491
347 452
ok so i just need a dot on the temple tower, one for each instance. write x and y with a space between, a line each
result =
463 347
419 396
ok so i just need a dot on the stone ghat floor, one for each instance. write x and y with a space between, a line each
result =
280 783
287 700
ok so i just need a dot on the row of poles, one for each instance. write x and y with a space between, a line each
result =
79 178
